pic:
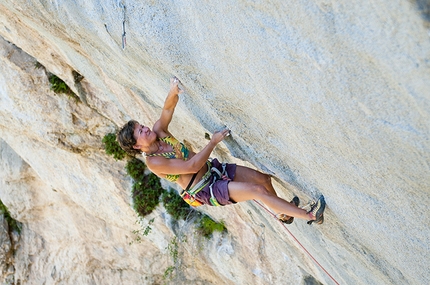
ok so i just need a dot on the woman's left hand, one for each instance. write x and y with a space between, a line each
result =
219 136
174 88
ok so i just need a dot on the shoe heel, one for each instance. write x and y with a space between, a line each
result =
295 201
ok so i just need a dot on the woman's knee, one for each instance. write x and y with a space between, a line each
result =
267 179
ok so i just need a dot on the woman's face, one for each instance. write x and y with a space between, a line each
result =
144 136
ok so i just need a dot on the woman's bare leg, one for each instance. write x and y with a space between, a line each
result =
244 191
245 174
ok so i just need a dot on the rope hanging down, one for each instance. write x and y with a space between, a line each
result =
310 255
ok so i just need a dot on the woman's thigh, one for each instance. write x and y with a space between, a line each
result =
246 174
244 191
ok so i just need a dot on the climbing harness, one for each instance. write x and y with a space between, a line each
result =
188 195
308 253
209 178
217 175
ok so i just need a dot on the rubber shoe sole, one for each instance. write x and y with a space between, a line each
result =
317 211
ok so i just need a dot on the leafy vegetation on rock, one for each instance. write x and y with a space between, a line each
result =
13 224
112 147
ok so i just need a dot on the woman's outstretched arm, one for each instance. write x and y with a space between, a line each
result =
162 125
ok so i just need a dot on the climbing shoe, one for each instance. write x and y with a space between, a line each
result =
317 211
295 201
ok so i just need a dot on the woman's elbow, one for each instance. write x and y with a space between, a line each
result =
194 168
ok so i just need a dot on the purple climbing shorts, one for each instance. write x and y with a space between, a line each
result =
220 187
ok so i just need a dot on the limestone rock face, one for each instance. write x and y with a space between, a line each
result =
329 97
5 250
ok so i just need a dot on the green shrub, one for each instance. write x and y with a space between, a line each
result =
146 194
13 224
175 205
136 169
58 85
206 226
112 147
38 65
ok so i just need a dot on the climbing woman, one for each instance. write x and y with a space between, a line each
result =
206 182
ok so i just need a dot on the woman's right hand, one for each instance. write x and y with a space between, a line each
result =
174 86
219 136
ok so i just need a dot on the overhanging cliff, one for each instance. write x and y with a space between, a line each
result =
329 97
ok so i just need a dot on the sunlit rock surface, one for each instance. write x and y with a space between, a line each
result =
329 97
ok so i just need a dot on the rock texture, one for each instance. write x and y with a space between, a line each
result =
329 97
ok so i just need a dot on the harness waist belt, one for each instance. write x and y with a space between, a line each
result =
201 184
210 177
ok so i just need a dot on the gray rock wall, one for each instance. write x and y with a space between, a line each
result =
330 97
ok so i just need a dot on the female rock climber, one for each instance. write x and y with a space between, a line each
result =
206 182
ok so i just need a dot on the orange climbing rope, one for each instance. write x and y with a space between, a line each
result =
310 255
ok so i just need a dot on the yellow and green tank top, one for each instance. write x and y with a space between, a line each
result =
179 151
